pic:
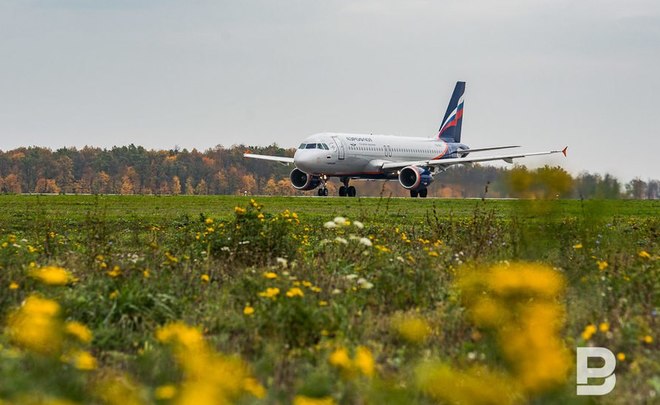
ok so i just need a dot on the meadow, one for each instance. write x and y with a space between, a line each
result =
307 300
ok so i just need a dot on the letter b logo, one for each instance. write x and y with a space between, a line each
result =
584 372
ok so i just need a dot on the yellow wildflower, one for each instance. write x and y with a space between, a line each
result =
252 386
13 286
270 275
339 358
165 391
113 295
364 361
80 331
648 339
577 246
36 325
294 292
588 332
644 254
83 360
205 278
115 272
146 273
602 264
248 310
181 334
52 275
271 292
208 221
323 303
412 329
303 400
621 356
239 210
604 327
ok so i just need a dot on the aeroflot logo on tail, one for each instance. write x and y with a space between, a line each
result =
604 372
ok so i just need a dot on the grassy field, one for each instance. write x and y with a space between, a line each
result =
221 299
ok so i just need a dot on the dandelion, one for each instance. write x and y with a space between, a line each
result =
366 242
113 295
413 329
171 258
304 400
79 331
270 275
295 292
36 325
648 339
270 292
604 327
329 225
621 356
239 210
84 361
208 221
339 358
115 272
433 253
577 246
602 264
252 386
146 273
13 286
52 275
205 278
164 392
248 310
588 332
644 254
323 303
364 361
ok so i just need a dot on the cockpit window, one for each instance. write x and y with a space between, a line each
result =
302 146
310 146
323 146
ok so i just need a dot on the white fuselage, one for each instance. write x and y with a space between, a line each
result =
359 155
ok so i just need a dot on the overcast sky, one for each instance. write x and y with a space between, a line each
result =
543 74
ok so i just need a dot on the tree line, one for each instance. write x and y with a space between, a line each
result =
135 170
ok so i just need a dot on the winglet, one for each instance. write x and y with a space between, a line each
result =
564 151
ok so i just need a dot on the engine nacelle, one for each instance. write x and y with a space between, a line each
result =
415 178
303 181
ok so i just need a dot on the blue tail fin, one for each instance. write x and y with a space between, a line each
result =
450 130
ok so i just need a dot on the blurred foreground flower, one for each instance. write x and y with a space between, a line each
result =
52 275
36 325
209 377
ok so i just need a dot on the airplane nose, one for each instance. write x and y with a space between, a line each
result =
303 161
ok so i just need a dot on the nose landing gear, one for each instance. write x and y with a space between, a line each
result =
322 191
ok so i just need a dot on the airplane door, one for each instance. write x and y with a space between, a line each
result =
341 153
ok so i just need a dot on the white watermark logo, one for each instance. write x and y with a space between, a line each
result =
584 372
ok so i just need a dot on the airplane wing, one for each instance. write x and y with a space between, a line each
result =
455 161
281 159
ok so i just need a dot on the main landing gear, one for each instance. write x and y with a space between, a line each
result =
419 193
347 190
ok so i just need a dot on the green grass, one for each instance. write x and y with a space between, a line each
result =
166 248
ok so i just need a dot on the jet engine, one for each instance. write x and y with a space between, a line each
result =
303 181
415 178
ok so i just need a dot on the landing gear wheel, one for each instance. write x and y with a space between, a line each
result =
351 191
342 191
325 192
319 192
413 193
423 193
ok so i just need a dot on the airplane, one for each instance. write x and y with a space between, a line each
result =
414 161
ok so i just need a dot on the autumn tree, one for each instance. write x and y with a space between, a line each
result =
176 186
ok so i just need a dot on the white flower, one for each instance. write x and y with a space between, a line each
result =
363 283
339 239
225 248
340 221
365 241
282 261
351 277
329 225
336 291
358 224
